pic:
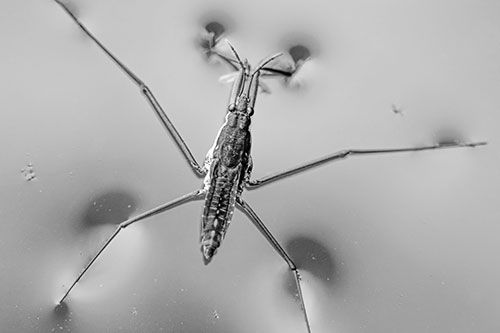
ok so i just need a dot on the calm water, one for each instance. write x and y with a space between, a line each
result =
402 243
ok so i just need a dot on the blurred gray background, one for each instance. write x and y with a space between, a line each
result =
401 243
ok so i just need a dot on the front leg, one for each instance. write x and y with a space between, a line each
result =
346 153
210 41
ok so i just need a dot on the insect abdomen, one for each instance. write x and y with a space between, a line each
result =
218 211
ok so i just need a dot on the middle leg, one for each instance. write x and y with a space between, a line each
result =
350 152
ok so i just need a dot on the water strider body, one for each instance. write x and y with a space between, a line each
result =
228 164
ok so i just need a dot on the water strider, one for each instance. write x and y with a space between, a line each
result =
228 164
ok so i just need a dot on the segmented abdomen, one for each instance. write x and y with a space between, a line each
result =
218 210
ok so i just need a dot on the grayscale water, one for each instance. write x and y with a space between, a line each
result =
401 243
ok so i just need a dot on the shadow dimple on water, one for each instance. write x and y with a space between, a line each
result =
110 207
310 255
448 136
216 28
301 46
210 36
299 53
61 311
58 320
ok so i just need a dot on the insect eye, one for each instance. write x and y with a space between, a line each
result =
250 111
231 108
